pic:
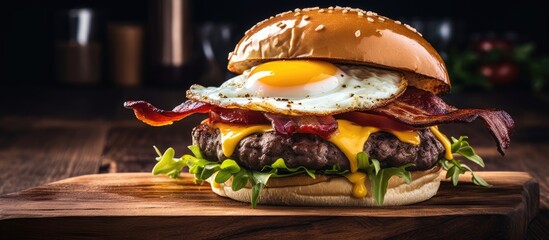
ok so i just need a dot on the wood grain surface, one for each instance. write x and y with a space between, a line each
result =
34 152
142 205
48 134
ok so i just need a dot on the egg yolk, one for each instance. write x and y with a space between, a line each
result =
292 73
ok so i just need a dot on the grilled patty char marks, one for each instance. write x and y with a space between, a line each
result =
313 152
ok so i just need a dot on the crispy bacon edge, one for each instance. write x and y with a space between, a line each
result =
324 126
153 116
419 108
415 107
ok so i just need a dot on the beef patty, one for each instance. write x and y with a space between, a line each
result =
313 152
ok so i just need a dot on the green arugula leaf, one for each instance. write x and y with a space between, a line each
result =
158 153
377 166
380 180
208 171
363 161
230 166
463 148
240 180
455 175
279 169
222 176
480 181
259 180
335 170
380 177
204 169
168 165
455 167
196 151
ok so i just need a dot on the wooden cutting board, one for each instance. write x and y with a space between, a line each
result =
139 205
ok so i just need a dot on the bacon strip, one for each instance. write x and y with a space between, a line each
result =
323 126
284 125
153 116
419 108
237 116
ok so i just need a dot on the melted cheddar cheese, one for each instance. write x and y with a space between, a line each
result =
350 139
445 142
358 179
232 134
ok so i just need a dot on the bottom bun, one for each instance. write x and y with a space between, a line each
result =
335 191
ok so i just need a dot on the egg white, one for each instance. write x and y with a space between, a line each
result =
356 88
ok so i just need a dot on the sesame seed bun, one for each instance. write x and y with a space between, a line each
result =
336 191
347 36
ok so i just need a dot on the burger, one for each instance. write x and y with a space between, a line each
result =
330 107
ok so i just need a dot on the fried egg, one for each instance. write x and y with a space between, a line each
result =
303 87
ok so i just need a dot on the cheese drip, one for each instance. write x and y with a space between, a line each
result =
444 140
358 179
352 137
232 134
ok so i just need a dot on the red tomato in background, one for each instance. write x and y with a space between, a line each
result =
500 74
489 45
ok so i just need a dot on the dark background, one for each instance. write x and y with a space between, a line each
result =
28 28
51 130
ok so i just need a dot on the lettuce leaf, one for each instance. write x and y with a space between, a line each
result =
279 169
203 169
379 177
455 167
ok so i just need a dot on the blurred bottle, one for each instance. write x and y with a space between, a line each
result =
217 40
125 54
77 49
170 42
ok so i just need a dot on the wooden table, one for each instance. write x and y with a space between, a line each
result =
52 134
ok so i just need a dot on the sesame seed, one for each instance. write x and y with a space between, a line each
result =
315 8
345 11
370 19
297 10
398 22
338 7
275 41
410 28
296 14
320 27
330 11
331 8
360 14
357 33
321 10
381 19
369 13
305 17
374 13
281 25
